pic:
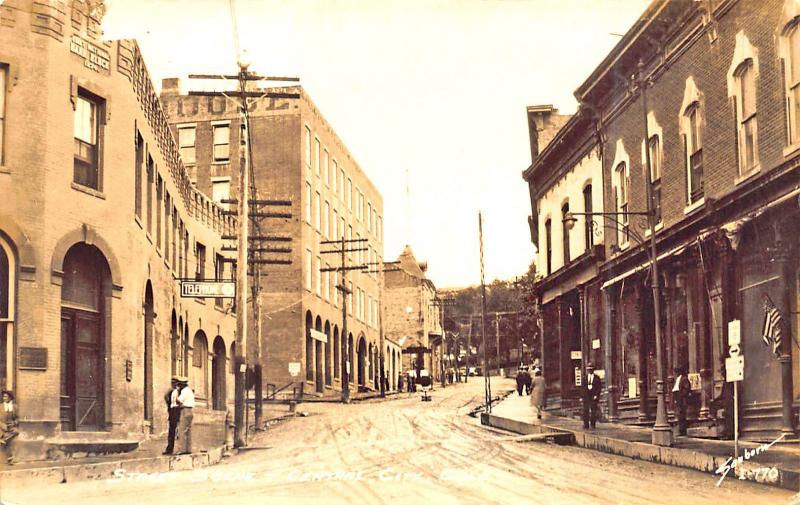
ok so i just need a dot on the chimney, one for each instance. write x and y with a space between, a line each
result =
538 119
170 86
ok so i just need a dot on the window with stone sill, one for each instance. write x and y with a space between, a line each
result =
186 144
3 79
86 133
654 146
693 146
746 120
792 74
221 138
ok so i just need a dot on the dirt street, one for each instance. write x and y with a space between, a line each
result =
408 451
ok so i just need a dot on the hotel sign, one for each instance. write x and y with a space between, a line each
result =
94 57
208 289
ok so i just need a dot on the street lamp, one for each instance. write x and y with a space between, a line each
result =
662 433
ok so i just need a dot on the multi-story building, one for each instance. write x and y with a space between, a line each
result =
412 315
566 175
297 156
98 221
714 105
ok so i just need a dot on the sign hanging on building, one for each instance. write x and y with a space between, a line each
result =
208 289
318 335
294 368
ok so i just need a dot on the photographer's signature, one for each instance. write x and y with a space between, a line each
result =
761 474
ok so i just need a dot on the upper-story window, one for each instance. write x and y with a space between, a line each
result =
3 79
222 142
308 147
548 246
565 232
138 169
790 49
316 156
87 140
622 190
587 208
317 217
694 153
326 167
308 203
201 262
349 194
186 142
746 122
335 177
221 190
654 147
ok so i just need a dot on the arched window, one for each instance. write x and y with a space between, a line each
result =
6 315
200 366
746 121
85 286
792 72
218 387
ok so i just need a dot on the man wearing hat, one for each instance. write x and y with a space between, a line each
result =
185 401
590 393
174 413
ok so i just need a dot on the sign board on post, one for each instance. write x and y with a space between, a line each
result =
734 332
734 368
208 289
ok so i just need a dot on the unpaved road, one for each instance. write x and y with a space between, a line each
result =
406 451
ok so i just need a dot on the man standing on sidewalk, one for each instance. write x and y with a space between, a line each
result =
590 393
174 413
186 402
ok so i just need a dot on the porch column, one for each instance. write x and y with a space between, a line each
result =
584 327
780 256
560 337
642 365
703 336
609 343
669 338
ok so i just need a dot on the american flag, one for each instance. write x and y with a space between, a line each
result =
773 326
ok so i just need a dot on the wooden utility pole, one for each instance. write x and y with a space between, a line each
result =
487 381
343 245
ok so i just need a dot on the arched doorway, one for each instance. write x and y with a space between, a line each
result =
7 298
218 396
328 376
147 376
350 367
185 368
319 385
362 361
174 341
200 366
337 354
309 348
84 290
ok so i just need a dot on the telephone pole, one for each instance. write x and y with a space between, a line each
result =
486 380
343 248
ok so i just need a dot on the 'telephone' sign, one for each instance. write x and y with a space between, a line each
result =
208 289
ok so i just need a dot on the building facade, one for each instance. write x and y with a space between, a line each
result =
713 104
297 156
412 314
98 222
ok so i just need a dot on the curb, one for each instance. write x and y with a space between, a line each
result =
110 469
673 456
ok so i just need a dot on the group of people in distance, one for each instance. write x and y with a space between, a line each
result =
532 385
180 402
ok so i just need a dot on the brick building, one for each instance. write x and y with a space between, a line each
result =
296 156
412 316
721 125
98 221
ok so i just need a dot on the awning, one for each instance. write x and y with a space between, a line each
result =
672 252
318 335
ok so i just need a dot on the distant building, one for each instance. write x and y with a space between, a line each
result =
296 156
412 316
98 222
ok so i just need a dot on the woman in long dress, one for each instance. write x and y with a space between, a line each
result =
537 392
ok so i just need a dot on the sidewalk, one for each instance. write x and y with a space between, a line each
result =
712 456
147 458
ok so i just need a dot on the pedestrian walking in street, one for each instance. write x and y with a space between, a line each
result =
590 393
173 413
527 380
400 383
681 391
537 392
185 401
520 381
9 425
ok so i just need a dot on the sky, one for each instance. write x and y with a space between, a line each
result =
429 96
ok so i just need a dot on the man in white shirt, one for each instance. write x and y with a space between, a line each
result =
185 400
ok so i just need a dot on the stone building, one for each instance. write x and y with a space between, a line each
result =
297 156
98 222
721 126
412 316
